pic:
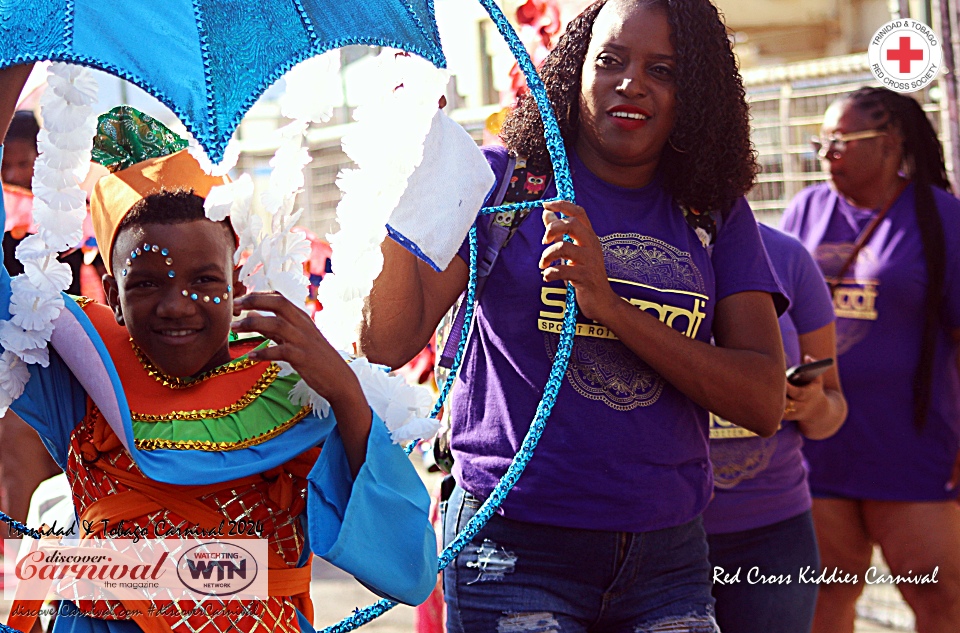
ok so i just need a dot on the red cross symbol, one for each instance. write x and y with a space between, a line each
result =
905 55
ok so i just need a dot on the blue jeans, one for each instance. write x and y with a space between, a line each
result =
767 595
523 577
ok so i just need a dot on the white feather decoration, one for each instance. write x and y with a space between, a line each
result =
64 146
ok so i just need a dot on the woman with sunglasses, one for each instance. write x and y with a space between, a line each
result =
886 234
602 531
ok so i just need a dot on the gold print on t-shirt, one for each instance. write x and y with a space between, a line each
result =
603 369
721 429
855 297
737 460
852 301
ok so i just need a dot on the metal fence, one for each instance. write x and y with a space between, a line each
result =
787 105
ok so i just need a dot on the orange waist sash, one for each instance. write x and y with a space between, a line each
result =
145 497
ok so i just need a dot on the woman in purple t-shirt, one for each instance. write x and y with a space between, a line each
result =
602 531
886 234
759 526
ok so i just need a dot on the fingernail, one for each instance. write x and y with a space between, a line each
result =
949 487
253 355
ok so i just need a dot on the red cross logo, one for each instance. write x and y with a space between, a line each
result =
905 55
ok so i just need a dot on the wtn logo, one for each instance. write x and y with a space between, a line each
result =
225 568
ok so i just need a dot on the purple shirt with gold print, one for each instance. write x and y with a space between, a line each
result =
623 449
878 453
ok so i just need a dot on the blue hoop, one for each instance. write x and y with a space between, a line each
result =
564 182
561 170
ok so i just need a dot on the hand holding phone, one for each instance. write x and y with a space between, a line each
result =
800 375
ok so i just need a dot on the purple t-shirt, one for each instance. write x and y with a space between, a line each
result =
878 453
623 449
761 481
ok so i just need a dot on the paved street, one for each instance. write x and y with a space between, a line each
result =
336 594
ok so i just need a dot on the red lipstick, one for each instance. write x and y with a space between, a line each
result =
628 117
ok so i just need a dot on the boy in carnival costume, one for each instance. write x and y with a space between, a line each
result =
158 420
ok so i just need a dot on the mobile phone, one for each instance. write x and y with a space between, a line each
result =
800 375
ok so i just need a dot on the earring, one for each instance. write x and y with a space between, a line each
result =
675 148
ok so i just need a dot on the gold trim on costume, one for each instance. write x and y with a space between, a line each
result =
255 392
206 445
83 302
183 383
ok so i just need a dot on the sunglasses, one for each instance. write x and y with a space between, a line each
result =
836 144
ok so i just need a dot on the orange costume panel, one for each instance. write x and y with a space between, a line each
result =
111 494
158 454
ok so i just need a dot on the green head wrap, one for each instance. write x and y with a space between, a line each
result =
126 136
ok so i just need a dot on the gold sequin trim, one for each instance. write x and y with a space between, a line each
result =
255 392
83 302
206 445
183 383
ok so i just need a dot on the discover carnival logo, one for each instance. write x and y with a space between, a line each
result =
127 569
905 55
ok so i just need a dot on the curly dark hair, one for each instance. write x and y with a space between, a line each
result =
709 162
176 206
922 162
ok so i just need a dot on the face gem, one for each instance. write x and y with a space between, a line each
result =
184 293
216 299
164 252
206 299
194 296
171 274
169 261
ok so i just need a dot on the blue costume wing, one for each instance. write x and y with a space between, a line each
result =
209 60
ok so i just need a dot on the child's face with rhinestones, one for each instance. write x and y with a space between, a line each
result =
172 288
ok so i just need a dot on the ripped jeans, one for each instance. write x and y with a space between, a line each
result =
518 577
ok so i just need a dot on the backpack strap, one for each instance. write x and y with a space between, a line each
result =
517 184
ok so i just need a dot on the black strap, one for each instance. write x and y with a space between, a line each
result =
518 184
865 234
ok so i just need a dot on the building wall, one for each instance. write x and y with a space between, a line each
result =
766 32
780 31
